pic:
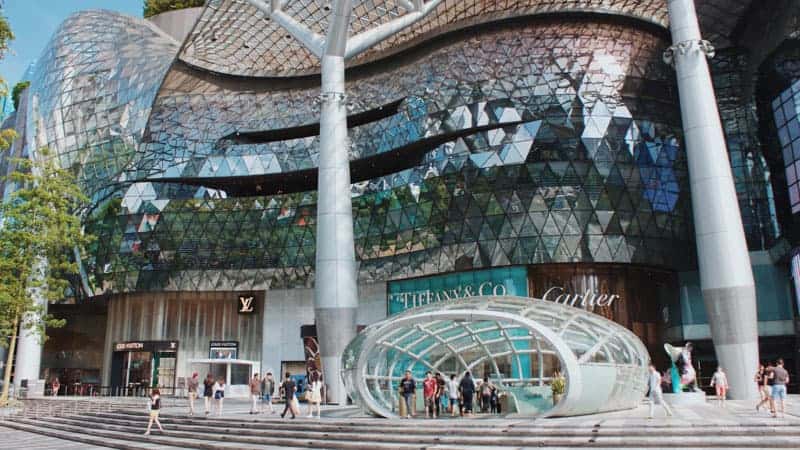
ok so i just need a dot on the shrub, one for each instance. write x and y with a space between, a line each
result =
153 7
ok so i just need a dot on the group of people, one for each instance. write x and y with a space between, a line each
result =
449 395
772 381
262 390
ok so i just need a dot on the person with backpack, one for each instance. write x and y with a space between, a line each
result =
155 408
780 378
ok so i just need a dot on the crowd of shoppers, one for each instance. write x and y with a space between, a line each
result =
454 396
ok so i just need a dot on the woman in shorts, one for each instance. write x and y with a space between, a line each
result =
155 407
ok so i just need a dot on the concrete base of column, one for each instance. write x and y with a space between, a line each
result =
734 330
28 357
336 327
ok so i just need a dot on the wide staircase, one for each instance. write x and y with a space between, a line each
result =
123 429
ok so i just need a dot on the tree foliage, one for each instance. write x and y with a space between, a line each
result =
153 7
38 232
6 35
17 91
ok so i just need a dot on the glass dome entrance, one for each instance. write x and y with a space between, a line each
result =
519 343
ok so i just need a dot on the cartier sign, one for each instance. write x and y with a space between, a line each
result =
589 298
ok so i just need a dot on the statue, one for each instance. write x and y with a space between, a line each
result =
683 373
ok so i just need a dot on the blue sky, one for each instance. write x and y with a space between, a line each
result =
34 21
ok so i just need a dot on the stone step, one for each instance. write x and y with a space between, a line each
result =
323 429
470 428
212 436
84 438
209 440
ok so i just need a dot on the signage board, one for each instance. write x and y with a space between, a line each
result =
223 349
406 294
146 346
246 304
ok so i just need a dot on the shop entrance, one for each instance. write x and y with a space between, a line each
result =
137 367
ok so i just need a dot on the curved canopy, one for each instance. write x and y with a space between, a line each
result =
517 343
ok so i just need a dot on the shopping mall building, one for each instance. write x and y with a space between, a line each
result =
531 148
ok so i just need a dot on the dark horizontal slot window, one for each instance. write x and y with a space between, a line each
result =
312 129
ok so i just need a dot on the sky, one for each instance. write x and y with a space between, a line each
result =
34 22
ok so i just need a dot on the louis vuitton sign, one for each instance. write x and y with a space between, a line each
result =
246 304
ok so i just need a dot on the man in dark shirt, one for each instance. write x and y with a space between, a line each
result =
289 389
440 391
408 387
467 388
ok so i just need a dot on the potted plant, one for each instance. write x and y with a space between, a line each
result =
558 386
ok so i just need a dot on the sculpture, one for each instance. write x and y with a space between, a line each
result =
683 373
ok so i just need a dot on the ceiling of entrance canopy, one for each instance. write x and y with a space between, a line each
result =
234 37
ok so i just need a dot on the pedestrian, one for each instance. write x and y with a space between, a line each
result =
408 387
761 380
155 407
441 388
656 396
780 378
269 391
452 393
55 386
467 390
255 394
219 394
719 381
486 394
314 396
429 386
208 392
289 389
192 385
495 401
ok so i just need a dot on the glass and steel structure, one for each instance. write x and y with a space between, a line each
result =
518 343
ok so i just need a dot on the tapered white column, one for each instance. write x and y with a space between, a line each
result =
336 295
726 277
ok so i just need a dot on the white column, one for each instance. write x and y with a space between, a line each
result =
28 362
335 294
726 276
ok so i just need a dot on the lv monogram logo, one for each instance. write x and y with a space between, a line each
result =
245 304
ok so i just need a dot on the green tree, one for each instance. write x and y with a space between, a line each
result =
6 36
39 230
17 91
153 7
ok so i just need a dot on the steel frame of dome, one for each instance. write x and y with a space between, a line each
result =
587 346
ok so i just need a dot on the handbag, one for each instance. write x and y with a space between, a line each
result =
218 395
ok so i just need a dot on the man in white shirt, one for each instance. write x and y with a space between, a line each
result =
719 381
656 397
452 394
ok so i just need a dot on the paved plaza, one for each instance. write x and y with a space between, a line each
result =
701 426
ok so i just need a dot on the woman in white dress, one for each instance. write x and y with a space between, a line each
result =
314 395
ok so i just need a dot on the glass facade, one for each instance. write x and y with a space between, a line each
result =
529 144
786 110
